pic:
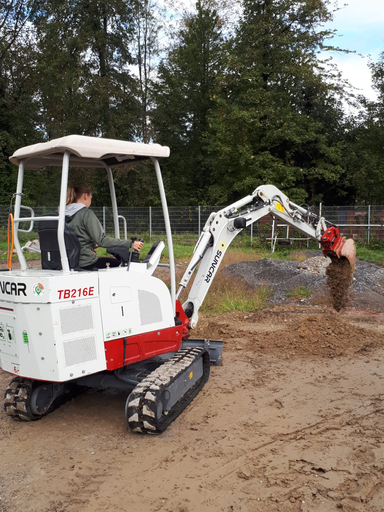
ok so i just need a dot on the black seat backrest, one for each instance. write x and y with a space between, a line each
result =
49 246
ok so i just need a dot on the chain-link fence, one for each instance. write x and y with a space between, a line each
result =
363 223
187 219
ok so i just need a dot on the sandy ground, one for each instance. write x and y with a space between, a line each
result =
287 423
292 421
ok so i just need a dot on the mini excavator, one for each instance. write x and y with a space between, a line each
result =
64 329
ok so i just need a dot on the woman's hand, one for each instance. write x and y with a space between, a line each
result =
137 245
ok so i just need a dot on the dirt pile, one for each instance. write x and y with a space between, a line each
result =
294 332
340 275
326 336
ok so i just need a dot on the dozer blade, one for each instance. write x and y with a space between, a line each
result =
337 246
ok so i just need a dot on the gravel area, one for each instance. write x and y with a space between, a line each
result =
282 277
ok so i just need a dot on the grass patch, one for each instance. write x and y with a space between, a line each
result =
369 254
239 250
234 295
182 253
299 292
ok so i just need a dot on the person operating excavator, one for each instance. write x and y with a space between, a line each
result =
89 231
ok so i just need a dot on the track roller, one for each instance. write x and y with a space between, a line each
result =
17 400
30 400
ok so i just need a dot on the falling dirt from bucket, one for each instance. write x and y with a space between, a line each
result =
339 273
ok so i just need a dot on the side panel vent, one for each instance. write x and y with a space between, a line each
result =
150 308
76 319
79 351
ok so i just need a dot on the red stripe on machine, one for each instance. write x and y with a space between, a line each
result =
142 346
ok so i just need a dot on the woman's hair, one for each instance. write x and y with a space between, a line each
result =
76 191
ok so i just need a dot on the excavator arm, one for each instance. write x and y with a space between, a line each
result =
222 227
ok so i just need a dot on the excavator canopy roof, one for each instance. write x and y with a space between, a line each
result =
86 152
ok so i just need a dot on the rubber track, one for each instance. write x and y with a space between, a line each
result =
142 403
17 399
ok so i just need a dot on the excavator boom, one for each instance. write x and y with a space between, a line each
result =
222 227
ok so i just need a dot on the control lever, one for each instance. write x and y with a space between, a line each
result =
134 255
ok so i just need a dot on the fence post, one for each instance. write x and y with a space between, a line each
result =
320 208
104 219
199 230
150 223
251 233
369 223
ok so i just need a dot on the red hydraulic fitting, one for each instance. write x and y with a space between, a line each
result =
329 236
331 241
182 317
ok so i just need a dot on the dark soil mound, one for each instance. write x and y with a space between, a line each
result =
297 331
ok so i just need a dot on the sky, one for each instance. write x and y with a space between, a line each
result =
360 27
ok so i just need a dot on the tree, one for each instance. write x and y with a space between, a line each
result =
184 98
86 84
270 121
364 153
147 26
18 107
86 53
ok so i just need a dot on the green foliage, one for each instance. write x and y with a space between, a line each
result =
84 57
269 121
19 113
299 292
182 253
183 95
147 25
237 109
373 253
364 149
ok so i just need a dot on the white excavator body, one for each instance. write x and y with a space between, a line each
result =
63 328
59 327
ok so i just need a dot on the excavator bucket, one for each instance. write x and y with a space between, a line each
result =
347 249
337 246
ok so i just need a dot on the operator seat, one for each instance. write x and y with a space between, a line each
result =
49 246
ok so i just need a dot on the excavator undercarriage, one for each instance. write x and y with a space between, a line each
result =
159 388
